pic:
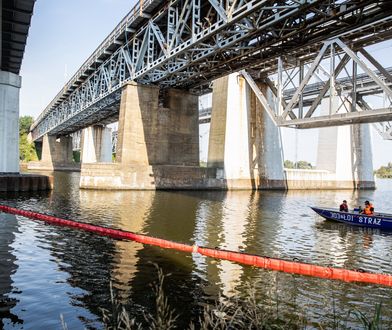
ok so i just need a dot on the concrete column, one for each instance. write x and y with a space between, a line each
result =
267 143
157 145
243 141
363 157
138 114
9 122
183 127
229 131
57 151
346 152
153 134
96 146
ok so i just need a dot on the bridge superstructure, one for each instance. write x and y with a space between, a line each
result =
365 86
15 17
188 43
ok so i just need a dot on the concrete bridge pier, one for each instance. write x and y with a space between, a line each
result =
56 155
10 178
346 153
96 145
244 142
363 157
9 122
157 145
158 129
344 157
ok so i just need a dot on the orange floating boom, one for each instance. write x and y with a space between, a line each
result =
242 258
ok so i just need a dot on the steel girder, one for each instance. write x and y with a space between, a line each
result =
298 106
188 43
384 129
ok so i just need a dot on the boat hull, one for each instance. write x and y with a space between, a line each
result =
380 221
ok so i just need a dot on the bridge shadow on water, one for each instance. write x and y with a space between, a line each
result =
75 268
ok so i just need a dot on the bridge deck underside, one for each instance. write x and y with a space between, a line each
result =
192 47
15 17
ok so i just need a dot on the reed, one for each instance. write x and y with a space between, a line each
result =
237 312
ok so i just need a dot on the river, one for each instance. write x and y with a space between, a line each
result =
50 272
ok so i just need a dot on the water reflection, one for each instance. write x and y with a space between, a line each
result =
75 268
130 214
225 223
8 266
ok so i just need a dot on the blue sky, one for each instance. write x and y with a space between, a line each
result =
62 36
64 33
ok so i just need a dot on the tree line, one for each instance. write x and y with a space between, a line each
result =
301 164
27 150
384 171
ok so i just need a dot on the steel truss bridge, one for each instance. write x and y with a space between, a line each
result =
188 43
364 86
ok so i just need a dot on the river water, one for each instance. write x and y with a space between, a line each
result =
50 272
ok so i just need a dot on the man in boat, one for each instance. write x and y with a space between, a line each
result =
369 208
343 207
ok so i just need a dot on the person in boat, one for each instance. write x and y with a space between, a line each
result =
343 207
369 208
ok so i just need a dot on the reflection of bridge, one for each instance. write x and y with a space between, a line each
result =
146 73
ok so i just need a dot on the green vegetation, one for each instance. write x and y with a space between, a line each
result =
302 165
76 156
27 150
384 172
203 164
241 311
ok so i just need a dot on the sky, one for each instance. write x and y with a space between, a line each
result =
63 34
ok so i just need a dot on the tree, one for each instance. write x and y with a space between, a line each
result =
27 150
302 164
25 123
384 171
288 164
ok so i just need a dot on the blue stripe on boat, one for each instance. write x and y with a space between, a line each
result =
378 220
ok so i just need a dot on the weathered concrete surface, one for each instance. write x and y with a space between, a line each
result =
315 179
9 122
56 155
363 157
243 140
25 182
157 146
96 145
154 134
139 177
267 148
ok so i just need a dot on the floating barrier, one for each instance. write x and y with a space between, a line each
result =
286 266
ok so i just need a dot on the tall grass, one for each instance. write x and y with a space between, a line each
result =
238 312
164 317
